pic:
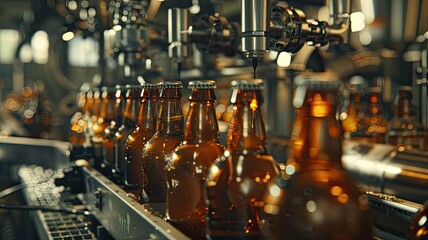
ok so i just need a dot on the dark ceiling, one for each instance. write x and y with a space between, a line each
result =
11 12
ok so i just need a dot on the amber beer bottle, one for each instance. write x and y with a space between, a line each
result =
188 165
402 128
110 131
320 201
130 116
80 122
146 128
169 134
104 120
238 180
419 225
77 121
352 124
375 123
105 115
96 108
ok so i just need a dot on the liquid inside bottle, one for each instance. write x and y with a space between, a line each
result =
315 198
238 180
168 136
130 115
188 165
146 128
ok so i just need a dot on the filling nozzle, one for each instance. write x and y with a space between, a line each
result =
178 27
255 27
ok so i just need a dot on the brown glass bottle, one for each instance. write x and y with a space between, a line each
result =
188 165
110 131
248 167
96 118
146 128
130 116
106 116
402 128
80 120
419 226
95 110
320 201
352 124
169 134
375 123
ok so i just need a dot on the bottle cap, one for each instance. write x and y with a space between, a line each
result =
202 84
96 92
313 80
176 84
120 87
133 87
318 80
149 86
106 90
405 88
250 84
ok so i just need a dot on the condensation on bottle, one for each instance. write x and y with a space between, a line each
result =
169 134
146 128
238 180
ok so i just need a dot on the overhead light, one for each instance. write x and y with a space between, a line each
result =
67 36
357 21
284 59
40 47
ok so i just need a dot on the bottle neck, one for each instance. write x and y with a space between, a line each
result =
247 129
130 114
315 138
404 107
147 116
119 108
201 125
170 119
107 111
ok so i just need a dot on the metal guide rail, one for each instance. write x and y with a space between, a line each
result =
120 214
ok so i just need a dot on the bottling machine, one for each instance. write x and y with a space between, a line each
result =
142 40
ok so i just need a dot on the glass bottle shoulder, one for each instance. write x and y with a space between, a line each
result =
194 157
160 145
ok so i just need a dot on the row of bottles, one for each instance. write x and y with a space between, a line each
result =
369 123
237 191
